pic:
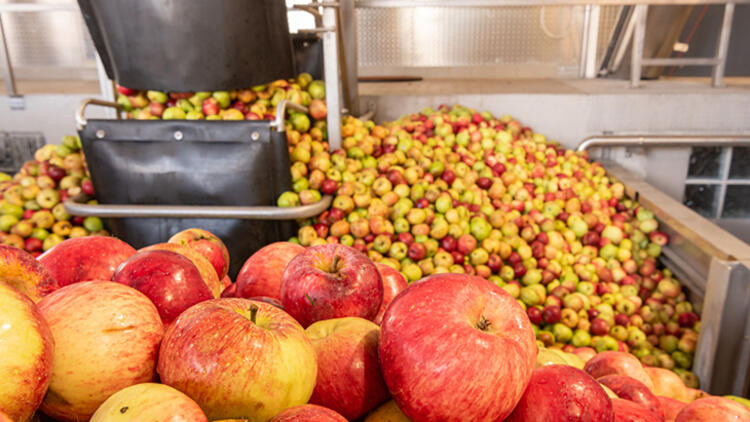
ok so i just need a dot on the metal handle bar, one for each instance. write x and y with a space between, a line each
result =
81 120
278 122
663 141
198 211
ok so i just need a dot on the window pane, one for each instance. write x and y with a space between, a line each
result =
702 199
705 162
740 168
737 201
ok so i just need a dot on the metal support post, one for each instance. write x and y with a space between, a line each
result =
639 36
347 26
722 45
593 40
584 41
331 64
10 80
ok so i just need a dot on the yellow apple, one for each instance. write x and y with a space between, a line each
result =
106 338
26 347
387 412
149 402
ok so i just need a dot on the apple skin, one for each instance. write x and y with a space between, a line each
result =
713 409
21 270
149 402
269 300
26 364
261 273
106 338
563 393
666 383
308 413
387 412
235 368
331 281
629 411
585 353
393 284
206 244
85 258
4 417
456 348
628 388
670 407
204 266
618 363
169 279
349 379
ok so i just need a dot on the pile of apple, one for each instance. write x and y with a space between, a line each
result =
312 334
454 190
32 215
256 103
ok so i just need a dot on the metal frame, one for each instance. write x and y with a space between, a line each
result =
496 3
715 267
713 264
718 62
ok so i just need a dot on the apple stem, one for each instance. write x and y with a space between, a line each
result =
335 264
483 323
253 312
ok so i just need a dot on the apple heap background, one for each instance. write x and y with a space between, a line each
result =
450 190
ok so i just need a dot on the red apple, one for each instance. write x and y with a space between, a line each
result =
149 402
393 283
618 363
238 359
85 258
331 281
27 348
230 291
713 409
308 413
20 270
629 411
666 383
169 279
349 379
206 244
628 388
106 338
261 273
270 300
201 263
562 393
4 417
456 348
670 407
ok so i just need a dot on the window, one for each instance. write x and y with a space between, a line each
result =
718 182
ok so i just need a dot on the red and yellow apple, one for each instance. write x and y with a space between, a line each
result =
308 413
349 379
204 266
261 273
238 358
85 258
331 281
169 279
456 348
713 409
20 270
149 402
27 350
670 407
206 244
106 338
666 383
618 363
393 284
562 393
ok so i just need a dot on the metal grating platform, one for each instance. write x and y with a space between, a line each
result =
18 147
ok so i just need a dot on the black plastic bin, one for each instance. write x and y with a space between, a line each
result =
197 45
234 170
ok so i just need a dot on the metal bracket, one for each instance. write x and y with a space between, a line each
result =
663 141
